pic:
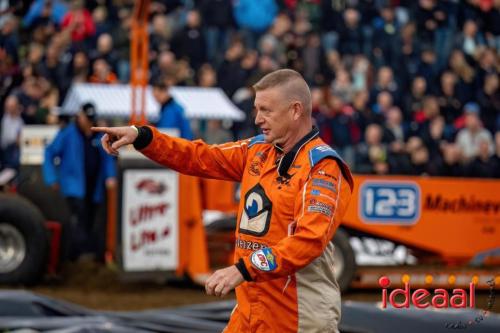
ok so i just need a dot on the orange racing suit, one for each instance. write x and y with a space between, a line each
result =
291 204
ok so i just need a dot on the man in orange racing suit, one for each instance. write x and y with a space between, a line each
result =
294 189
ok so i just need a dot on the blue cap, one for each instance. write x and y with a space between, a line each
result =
472 107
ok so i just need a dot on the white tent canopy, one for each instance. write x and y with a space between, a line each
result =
114 100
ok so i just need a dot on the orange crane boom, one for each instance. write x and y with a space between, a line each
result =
139 74
139 62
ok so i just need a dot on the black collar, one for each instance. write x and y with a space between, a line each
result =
286 161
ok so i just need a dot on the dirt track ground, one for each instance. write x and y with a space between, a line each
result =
97 287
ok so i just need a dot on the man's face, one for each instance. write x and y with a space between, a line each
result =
159 94
193 19
11 106
472 121
83 121
274 115
105 43
373 134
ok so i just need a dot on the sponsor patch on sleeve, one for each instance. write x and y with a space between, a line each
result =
315 192
324 184
264 260
316 206
326 174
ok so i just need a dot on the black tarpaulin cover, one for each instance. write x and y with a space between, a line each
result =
29 313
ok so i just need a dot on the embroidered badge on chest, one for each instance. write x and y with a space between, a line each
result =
257 163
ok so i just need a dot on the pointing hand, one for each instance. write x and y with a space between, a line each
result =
116 137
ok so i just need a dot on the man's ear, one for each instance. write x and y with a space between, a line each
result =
297 110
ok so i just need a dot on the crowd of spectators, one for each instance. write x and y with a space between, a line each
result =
399 86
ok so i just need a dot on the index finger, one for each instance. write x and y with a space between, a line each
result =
102 129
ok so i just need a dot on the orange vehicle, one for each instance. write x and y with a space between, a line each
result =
455 219
451 225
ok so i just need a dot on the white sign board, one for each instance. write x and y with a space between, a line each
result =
34 139
150 216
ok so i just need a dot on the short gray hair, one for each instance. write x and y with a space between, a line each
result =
295 86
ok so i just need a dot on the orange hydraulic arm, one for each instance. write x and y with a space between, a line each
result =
138 81
139 62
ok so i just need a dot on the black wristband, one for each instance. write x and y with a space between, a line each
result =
144 137
240 265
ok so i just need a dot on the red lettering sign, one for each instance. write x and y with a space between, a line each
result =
146 213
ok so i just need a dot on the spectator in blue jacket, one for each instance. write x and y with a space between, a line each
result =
82 174
172 113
